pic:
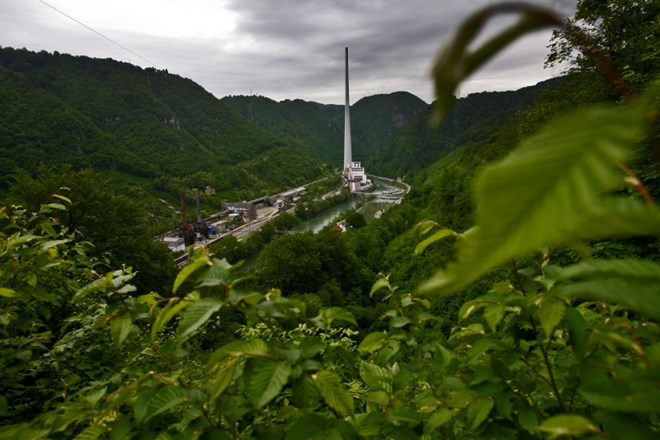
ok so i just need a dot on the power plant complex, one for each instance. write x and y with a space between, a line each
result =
353 173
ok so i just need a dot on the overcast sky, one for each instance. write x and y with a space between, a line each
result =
282 49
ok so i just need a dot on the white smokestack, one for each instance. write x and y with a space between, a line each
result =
347 124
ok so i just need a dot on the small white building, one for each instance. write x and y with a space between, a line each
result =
175 244
357 178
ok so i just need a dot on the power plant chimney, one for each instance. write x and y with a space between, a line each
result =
347 125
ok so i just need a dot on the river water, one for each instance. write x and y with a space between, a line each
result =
323 218
319 221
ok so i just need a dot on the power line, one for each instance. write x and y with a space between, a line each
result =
97 33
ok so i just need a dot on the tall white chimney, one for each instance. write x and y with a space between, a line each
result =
347 125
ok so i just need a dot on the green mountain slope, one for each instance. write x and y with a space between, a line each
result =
145 123
473 118
320 127
304 121
376 119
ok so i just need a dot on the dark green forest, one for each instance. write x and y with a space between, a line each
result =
374 120
513 294
152 133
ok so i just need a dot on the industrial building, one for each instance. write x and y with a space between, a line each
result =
354 175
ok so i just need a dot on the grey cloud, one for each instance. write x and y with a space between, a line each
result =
295 47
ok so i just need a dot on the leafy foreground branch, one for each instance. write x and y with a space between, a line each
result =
557 350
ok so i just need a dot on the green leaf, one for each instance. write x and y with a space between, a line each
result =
640 270
437 419
156 401
376 377
371 424
552 191
372 342
378 397
379 284
7 293
551 314
221 379
493 314
625 426
305 392
458 59
166 398
310 347
478 411
217 275
563 425
640 297
51 244
623 396
334 392
399 321
120 328
195 316
264 379
630 283
578 332
310 426
331 314
198 262
439 235
528 419
92 432
173 308
249 347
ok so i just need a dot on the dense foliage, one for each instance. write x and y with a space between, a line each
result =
143 128
473 119
556 332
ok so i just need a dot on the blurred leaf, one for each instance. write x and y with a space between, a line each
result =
7 293
578 332
640 297
625 426
551 191
456 61
563 425
551 314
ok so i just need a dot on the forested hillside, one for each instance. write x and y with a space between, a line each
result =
374 120
298 119
473 118
162 131
512 295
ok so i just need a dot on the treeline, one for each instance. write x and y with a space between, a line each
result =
154 134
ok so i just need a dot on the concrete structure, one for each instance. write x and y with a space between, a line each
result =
347 124
176 244
353 173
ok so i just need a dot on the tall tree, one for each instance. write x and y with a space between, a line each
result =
116 225
626 31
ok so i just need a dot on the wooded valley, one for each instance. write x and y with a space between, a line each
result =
513 294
